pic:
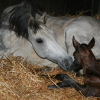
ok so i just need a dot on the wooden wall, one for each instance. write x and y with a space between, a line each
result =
56 7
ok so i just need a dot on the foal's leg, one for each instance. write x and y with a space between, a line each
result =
95 70
69 82
61 77
59 85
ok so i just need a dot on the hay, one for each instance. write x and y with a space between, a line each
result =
97 16
25 81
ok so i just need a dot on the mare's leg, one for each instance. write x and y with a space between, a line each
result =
69 82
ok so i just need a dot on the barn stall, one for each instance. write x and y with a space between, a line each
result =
21 80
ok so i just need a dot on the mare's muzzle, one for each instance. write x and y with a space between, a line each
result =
66 64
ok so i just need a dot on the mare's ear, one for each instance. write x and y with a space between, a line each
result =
31 22
75 43
43 18
91 43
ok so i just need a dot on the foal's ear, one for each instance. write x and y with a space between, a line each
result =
91 43
75 43
31 23
43 18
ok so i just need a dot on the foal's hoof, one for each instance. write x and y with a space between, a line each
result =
52 87
78 75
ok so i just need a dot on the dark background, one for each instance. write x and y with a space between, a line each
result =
60 7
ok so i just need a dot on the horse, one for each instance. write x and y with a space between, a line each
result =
23 35
82 27
83 57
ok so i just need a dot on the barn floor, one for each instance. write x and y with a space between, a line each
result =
25 81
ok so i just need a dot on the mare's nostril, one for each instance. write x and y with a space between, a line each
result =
68 62
65 64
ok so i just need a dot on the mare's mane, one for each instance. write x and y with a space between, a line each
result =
20 15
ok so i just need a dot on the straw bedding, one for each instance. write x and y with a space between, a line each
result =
24 81
20 80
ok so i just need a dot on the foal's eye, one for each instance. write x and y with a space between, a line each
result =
39 40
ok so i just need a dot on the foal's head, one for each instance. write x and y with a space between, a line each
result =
82 52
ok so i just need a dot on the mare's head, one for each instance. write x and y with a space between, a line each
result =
22 21
82 52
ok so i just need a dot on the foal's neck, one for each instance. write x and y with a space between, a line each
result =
91 66
91 60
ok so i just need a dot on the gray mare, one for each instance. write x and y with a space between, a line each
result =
31 38
82 27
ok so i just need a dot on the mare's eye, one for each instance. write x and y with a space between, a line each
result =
39 40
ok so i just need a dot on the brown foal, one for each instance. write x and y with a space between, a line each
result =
84 57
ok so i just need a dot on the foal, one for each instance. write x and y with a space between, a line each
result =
83 57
